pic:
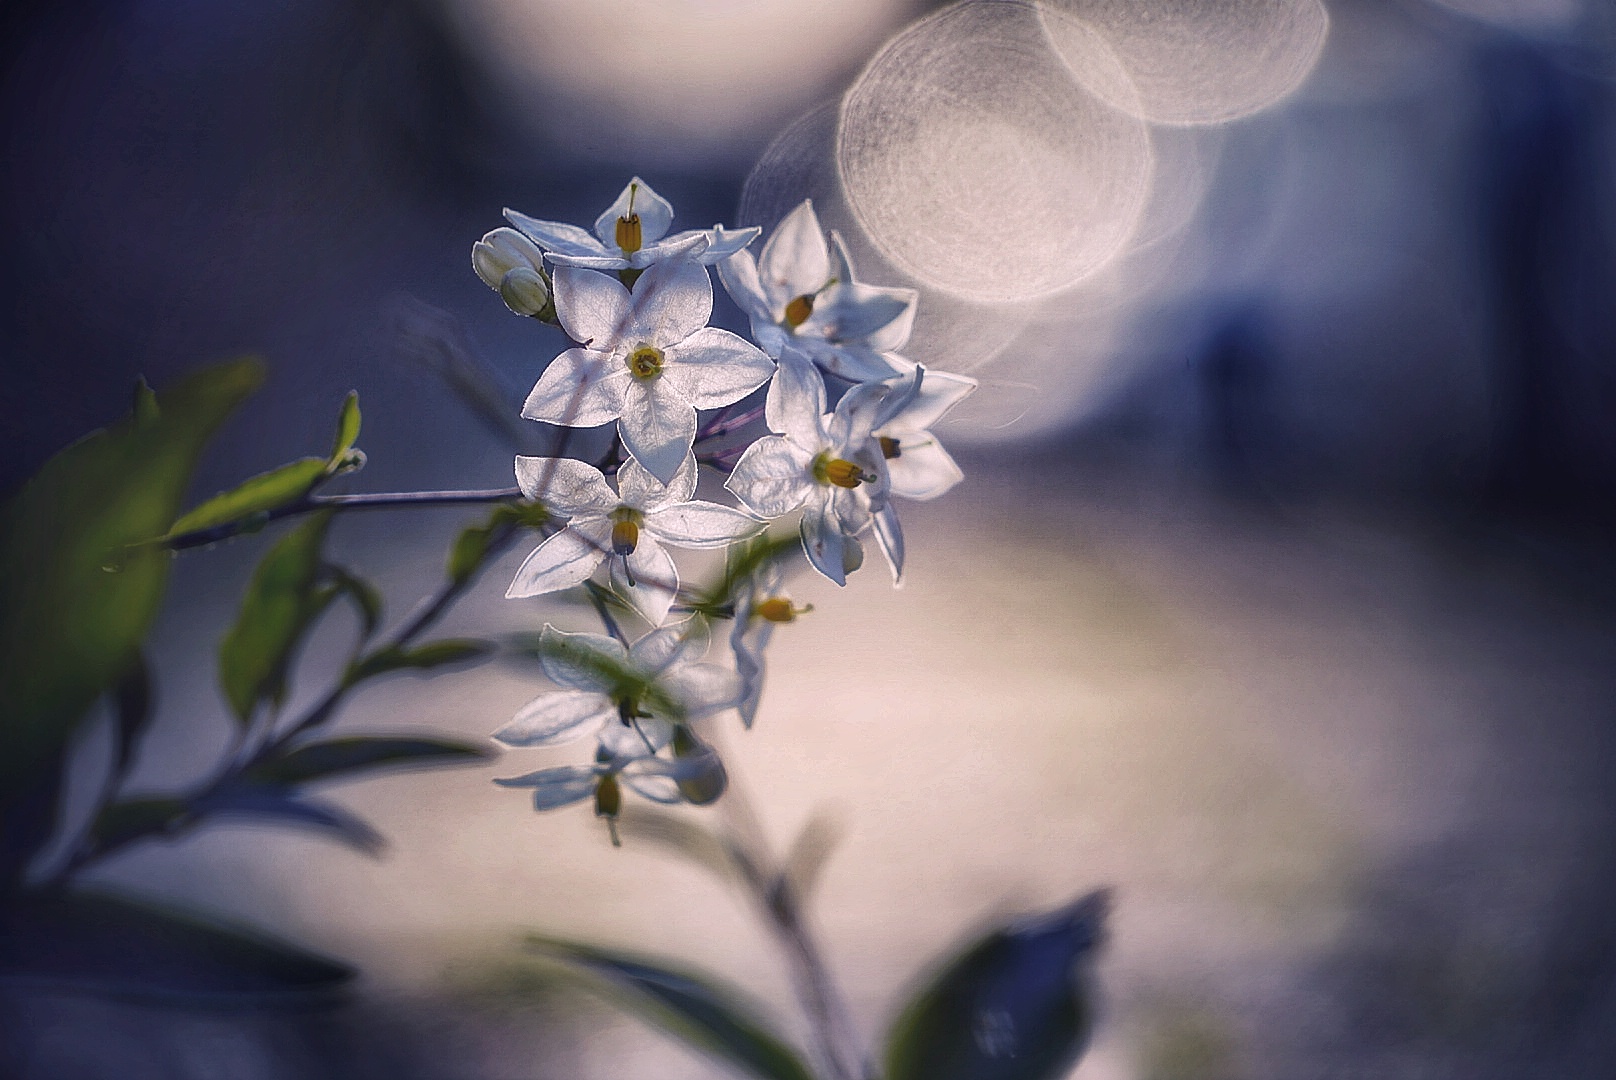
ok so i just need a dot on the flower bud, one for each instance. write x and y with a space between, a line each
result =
701 776
524 291
513 266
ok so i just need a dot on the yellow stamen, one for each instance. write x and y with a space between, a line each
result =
889 447
608 797
645 363
625 535
798 310
776 609
628 234
838 471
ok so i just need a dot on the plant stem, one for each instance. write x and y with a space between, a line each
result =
310 503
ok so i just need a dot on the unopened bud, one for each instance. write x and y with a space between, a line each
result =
524 291
701 776
513 266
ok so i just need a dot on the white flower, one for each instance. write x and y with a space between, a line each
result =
827 464
627 527
801 291
917 465
629 697
760 607
509 264
631 234
648 360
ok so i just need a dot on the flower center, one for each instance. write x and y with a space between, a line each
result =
838 471
798 310
625 530
645 363
889 447
628 234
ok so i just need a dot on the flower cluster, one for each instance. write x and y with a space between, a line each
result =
848 423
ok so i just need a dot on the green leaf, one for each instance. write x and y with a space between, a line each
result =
280 605
1013 1006
339 757
257 495
79 585
707 1016
132 708
365 596
347 429
275 804
120 822
470 548
433 654
108 944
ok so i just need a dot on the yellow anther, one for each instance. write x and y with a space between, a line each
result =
645 363
608 797
776 609
889 447
628 234
798 310
838 471
625 536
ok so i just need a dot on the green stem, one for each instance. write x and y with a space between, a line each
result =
310 503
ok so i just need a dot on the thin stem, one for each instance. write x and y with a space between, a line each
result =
310 503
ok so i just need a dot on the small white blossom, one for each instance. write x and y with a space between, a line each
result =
648 360
631 234
626 528
760 606
801 291
826 464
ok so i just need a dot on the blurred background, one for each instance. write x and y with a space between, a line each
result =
1278 595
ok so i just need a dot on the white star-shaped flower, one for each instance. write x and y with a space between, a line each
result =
627 528
648 360
826 464
800 291
631 235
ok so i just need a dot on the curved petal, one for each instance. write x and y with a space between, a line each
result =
922 469
855 363
555 236
772 478
649 582
749 638
671 300
560 786
657 426
848 313
580 388
796 401
558 718
938 392
646 493
655 214
591 262
722 242
855 417
795 261
889 537
713 367
686 245
823 542
656 786
564 560
582 661
701 525
703 689
739 274
592 306
626 742
566 485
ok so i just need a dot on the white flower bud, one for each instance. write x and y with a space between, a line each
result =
512 265
524 291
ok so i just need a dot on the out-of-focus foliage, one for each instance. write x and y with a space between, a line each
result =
1013 1006
340 757
696 1009
79 581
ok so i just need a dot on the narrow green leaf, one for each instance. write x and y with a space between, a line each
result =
79 585
108 944
340 757
470 548
433 654
1013 1006
347 429
271 803
256 495
280 604
695 1009
367 599
120 822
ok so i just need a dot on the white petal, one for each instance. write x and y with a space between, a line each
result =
855 363
749 638
645 492
922 469
655 580
657 426
564 560
629 741
671 301
560 786
566 485
939 392
739 274
772 477
591 262
557 718
580 388
591 306
848 313
703 689
655 214
889 537
701 525
582 661
713 367
555 236
667 645
654 786
722 242
796 402
823 542
855 417
686 245
501 251
795 261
